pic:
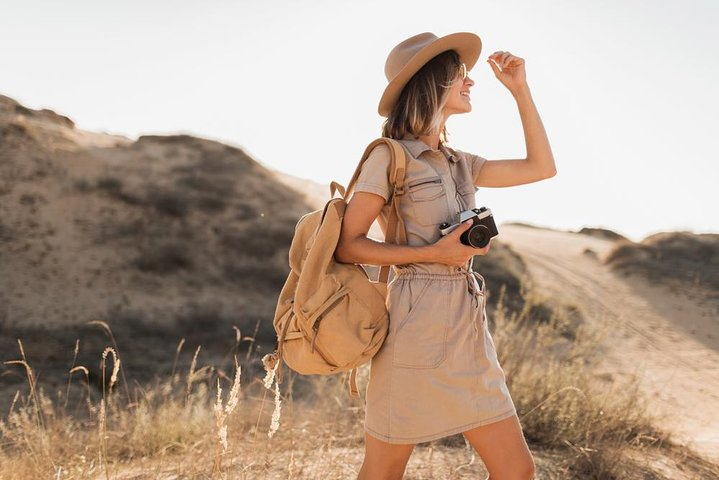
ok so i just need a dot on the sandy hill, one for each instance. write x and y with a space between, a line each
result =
162 237
658 301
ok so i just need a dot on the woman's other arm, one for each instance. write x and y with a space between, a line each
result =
354 246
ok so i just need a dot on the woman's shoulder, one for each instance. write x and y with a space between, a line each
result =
473 162
465 155
378 161
379 155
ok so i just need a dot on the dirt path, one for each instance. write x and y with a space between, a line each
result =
667 338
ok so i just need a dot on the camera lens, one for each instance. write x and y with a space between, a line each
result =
478 236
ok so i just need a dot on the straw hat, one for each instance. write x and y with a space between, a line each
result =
409 56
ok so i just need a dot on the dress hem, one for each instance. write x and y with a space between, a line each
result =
446 433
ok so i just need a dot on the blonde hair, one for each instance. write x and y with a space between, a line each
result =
418 110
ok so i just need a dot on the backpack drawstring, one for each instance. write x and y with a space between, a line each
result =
276 357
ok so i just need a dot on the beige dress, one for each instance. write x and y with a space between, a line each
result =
437 372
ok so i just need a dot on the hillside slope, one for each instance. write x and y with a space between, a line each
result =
665 334
94 223
164 238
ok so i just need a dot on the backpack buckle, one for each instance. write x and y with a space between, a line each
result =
400 190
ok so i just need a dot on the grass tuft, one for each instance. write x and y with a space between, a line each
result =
577 425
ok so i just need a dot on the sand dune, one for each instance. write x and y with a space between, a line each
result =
91 224
162 237
667 336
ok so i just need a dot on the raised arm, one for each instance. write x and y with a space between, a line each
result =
539 162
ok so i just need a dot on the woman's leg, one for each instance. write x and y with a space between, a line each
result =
382 460
503 450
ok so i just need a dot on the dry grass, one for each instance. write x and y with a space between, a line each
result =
578 426
563 407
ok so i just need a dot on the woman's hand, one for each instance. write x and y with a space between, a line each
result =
509 70
451 251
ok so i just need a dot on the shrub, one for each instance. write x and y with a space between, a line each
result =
164 259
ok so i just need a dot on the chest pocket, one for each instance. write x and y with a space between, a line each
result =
429 203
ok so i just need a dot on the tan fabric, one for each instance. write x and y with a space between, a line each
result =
437 372
440 184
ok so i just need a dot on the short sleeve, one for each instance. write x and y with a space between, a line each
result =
475 163
374 176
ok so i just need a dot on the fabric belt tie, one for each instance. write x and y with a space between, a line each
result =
473 286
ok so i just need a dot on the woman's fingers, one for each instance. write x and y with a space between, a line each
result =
481 251
457 253
501 58
484 250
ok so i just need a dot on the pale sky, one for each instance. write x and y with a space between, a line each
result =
625 89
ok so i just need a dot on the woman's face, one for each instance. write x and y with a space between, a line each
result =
459 99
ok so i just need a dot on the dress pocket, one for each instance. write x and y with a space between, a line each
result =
421 336
428 198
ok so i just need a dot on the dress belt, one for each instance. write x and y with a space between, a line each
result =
473 285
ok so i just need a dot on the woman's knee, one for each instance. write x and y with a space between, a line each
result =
503 449
526 468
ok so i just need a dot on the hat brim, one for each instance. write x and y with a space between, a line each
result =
466 44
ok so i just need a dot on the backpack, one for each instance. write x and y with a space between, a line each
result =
330 316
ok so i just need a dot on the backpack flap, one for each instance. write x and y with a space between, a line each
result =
315 266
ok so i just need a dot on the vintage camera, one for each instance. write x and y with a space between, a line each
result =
483 227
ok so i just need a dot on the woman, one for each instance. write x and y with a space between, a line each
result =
437 373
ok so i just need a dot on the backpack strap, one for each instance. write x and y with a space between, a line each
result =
395 230
399 164
336 187
354 391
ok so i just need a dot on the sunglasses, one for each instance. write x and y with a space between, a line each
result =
463 71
